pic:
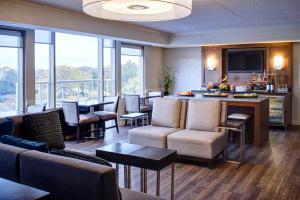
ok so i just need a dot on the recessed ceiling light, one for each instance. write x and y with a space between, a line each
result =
138 10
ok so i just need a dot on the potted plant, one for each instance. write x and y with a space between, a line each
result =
167 81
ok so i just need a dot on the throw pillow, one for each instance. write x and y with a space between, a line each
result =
25 144
6 126
45 127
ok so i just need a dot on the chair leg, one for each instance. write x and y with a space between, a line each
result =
78 133
126 122
117 126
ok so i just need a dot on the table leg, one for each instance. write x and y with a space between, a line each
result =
243 143
142 180
117 172
136 122
125 176
129 177
172 181
157 183
225 146
145 181
147 119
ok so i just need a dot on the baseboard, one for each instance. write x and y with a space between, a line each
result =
297 123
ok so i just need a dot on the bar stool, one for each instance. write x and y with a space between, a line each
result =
240 117
237 127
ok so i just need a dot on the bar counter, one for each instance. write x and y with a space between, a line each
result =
258 108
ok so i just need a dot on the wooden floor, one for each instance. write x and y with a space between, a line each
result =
272 172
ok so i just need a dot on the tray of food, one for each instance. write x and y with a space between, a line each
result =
215 94
185 93
246 95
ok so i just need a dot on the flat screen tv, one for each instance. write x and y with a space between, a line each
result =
245 60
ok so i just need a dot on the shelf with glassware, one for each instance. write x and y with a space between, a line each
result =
279 97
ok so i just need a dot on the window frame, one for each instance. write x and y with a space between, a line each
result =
20 93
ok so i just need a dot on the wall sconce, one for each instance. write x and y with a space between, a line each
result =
211 64
278 62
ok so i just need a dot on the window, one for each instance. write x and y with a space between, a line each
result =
109 53
132 66
11 71
44 51
77 68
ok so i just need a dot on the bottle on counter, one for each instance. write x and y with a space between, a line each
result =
272 86
265 78
254 77
268 87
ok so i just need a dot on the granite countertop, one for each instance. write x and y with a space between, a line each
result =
262 92
230 98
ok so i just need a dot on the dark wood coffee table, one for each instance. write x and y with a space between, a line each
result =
146 158
14 191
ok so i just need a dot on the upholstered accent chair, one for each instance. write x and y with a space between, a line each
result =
201 137
166 119
110 112
74 119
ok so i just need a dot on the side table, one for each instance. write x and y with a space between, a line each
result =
236 127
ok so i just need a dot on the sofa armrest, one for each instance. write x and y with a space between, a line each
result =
80 156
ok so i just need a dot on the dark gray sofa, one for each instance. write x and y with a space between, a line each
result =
65 178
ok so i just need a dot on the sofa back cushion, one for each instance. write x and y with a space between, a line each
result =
203 115
166 112
9 162
45 127
68 178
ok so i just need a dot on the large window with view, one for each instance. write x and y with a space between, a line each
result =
77 68
132 67
44 55
11 72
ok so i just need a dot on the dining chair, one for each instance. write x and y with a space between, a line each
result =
151 95
35 109
74 119
110 112
133 105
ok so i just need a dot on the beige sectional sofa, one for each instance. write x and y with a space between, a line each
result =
188 126
166 119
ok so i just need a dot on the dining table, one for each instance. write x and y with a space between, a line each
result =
91 107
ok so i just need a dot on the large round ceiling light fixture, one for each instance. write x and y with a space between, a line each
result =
138 10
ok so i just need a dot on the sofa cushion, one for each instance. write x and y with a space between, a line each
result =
6 126
26 144
68 178
200 144
203 115
45 127
154 136
132 195
9 162
166 112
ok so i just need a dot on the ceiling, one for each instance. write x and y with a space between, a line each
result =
216 15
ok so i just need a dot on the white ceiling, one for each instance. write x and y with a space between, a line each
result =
216 15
